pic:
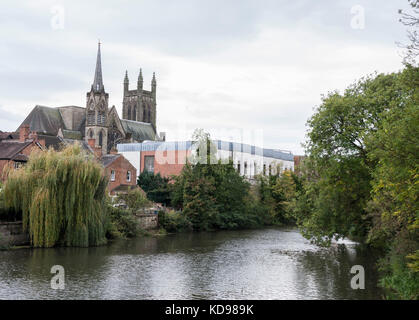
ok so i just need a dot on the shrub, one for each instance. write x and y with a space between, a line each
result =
122 224
174 221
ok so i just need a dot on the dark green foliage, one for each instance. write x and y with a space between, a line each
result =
122 223
135 199
276 195
156 187
213 195
174 221
361 176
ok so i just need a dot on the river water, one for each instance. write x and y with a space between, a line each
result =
275 263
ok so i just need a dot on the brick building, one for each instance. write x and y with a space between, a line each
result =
15 150
122 174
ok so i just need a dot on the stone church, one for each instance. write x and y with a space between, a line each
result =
97 122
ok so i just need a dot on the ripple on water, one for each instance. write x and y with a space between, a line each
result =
252 264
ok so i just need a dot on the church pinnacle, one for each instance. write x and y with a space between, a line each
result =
98 81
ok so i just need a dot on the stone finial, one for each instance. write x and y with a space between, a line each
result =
153 81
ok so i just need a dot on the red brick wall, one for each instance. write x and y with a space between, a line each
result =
121 166
166 162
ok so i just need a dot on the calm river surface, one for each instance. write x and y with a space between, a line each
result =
272 263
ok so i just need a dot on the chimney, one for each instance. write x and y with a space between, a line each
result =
92 143
23 132
34 136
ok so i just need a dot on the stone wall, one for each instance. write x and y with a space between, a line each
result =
11 234
148 221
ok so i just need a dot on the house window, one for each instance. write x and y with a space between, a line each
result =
128 176
149 163
264 169
112 175
245 168
238 167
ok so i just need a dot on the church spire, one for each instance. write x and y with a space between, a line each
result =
98 81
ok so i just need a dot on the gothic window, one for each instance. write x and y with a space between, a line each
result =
100 138
100 118
144 120
90 134
91 117
129 113
134 113
148 116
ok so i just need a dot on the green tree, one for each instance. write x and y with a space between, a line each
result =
62 198
394 206
212 194
156 187
339 157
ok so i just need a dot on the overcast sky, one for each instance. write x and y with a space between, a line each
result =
225 66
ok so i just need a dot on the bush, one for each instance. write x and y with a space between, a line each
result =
174 221
135 199
156 187
122 224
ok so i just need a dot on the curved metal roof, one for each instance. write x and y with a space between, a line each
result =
221 145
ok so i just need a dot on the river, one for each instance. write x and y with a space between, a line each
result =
274 263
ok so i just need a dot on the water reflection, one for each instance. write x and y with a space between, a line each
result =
255 264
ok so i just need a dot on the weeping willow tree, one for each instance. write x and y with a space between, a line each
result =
61 196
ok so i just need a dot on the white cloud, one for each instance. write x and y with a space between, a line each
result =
253 67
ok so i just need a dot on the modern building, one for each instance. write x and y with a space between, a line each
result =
168 158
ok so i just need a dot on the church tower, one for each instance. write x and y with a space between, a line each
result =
97 109
139 104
